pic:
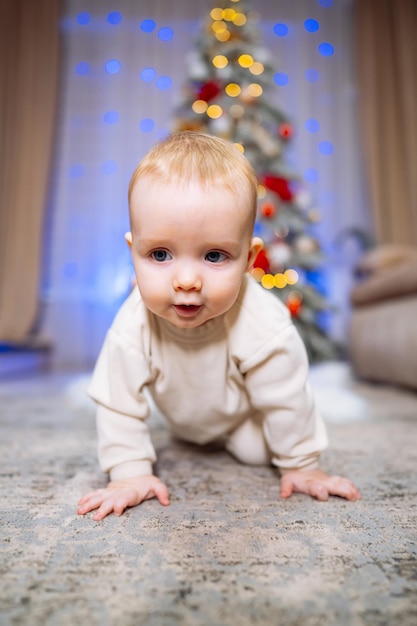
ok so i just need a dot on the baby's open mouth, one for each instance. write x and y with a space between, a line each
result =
186 310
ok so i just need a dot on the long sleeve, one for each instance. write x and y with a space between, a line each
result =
122 370
279 390
124 445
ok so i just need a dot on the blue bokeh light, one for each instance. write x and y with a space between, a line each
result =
311 175
312 75
164 82
82 68
165 33
83 18
325 3
114 17
109 167
326 147
113 66
312 26
281 30
280 78
147 125
148 26
148 74
70 269
326 49
111 117
312 125
77 170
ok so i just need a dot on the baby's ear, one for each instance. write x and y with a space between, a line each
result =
128 239
255 247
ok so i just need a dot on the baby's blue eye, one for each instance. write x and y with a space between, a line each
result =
160 256
214 256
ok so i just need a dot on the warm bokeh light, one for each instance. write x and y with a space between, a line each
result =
222 36
255 90
280 281
199 106
214 111
228 15
240 19
291 276
220 61
245 60
219 26
232 90
257 68
240 147
257 273
268 281
216 14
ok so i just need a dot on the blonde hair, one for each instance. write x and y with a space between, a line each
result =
185 155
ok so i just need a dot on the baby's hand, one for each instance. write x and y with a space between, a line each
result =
317 484
120 494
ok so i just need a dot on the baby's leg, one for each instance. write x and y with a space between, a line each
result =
247 444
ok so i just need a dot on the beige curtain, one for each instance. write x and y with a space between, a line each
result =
387 71
29 36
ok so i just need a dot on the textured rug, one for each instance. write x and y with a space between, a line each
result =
227 550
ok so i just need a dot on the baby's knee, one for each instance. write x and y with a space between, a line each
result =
247 444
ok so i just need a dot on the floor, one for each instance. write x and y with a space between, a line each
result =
227 550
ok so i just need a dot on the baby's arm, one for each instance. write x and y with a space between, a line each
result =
294 430
317 484
127 454
121 494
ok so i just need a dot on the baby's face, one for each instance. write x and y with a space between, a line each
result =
190 247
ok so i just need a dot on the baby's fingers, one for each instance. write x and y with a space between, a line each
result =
344 488
91 501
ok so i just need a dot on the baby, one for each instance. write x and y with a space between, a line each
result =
218 354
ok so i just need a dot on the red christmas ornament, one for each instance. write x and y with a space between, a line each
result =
268 209
286 131
262 261
279 185
208 91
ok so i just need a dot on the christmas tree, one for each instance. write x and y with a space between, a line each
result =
226 94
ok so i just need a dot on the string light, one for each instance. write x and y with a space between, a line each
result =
228 15
220 61
280 281
257 273
240 19
291 276
216 14
199 106
214 111
224 35
268 281
245 60
232 90
257 68
254 90
219 26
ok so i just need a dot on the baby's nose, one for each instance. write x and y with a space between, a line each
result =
187 278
